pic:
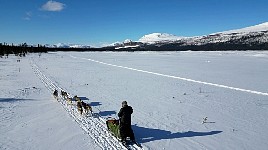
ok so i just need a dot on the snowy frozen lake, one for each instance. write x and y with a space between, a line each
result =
170 92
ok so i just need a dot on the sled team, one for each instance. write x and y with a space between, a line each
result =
79 103
120 128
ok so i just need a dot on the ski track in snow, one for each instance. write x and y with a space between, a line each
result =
94 126
175 77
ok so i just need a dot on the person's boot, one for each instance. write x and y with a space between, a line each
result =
124 142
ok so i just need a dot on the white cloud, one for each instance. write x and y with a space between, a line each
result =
53 6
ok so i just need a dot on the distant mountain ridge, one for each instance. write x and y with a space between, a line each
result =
156 37
160 37
256 28
249 38
64 45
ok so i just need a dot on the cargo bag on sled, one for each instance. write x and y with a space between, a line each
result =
113 127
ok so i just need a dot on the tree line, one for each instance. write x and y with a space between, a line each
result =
23 49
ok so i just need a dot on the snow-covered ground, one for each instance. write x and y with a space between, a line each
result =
170 92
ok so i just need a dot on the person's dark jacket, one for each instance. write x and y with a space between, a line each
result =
125 115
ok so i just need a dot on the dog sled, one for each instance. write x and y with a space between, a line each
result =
113 126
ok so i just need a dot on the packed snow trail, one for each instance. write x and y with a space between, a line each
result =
94 126
175 77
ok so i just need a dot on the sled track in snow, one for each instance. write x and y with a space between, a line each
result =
94 126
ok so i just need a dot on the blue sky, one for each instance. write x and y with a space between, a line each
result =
98 22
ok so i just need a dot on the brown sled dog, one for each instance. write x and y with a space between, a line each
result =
86 107
64 94
69 101
79 107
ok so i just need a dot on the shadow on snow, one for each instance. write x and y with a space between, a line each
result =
83 98
107 113
144 135
10 100
95 103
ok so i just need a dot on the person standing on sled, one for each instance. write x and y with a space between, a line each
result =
125 122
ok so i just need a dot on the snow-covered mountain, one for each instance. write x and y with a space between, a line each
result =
65 45
165 37
159 37
253 37
256 28
250 35
127 44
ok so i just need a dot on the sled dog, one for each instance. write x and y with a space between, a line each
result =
79 107
86 107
